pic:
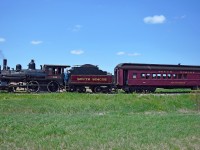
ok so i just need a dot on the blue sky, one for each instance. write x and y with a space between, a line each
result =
100 32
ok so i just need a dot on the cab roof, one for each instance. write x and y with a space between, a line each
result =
56 66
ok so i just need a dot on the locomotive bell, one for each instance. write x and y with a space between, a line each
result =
31 65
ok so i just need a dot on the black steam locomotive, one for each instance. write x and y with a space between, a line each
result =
48 78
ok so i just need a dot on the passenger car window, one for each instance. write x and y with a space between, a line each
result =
158 76
143 75
169 76
174 76
148 75
184 76
164 76
134 75
179 76
154 76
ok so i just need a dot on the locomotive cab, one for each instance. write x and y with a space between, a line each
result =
55 73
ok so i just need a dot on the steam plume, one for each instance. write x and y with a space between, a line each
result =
1 55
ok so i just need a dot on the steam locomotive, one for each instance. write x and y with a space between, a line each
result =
130 77
53 78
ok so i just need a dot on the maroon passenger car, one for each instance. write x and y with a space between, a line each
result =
132 77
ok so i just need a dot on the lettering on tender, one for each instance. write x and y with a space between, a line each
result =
83 79
99 79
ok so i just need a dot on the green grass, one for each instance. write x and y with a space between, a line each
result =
177 90
99 121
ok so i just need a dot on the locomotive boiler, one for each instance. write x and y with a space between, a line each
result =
48 78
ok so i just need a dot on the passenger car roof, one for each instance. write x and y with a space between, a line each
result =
138 66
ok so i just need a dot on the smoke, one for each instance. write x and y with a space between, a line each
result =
1 55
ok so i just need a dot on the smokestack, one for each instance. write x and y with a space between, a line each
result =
4 64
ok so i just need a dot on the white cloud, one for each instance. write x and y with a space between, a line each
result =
77 28
120 53
2 40
128 54
77 52
157 19
1 55
180 17
36 42
134 54
183 16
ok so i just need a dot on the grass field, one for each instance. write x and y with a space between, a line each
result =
99 121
